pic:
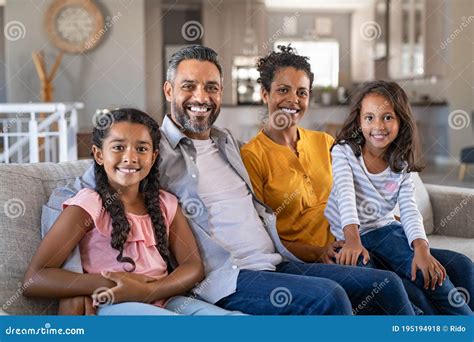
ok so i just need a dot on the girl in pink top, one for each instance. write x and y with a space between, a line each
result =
127 229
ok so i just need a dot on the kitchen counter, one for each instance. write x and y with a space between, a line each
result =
432 120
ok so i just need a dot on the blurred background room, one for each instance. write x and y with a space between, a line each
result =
61 60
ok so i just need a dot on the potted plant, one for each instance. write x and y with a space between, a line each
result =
326 95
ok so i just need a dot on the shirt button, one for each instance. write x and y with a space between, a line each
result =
192 158
234 267
193 175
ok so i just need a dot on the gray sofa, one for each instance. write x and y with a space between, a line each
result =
448 214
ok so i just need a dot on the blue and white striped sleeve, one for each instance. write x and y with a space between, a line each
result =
410 216
343 179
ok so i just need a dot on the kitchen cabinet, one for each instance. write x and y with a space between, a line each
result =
416 32
407 39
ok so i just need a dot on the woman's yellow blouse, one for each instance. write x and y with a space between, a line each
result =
295 187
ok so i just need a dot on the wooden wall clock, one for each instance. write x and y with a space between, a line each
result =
74 26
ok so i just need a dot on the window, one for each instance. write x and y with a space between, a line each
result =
323 57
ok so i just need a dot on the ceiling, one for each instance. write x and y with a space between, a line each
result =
320 5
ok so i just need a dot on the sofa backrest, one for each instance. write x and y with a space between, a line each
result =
423 202
24 190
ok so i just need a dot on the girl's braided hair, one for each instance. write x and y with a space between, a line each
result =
149 186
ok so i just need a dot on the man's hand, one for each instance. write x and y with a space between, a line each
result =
433 272
330 252
131 287
80 305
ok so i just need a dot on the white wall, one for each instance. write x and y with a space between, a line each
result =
3 88
112 74
361 58
460 73
224 25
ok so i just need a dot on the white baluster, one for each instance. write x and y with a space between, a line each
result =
73 135
33 129
6 147
19 129
47 148
62 137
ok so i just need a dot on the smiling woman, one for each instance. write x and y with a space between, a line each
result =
290 167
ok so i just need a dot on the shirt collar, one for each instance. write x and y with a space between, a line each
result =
175 135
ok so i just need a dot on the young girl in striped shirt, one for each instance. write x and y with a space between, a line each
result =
373 159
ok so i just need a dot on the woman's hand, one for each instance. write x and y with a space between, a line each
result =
433 272
329 252
131 287
350 252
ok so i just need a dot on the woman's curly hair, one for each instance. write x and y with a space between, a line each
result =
149 186
267 66
404 150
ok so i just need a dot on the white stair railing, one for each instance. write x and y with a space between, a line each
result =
54 123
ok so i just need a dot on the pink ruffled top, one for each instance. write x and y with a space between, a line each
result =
97 255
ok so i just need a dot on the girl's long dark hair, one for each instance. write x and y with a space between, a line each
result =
404 150
149 186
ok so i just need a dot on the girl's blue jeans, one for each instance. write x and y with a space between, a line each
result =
389 248
178 305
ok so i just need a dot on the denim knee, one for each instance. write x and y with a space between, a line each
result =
395 293
462 260
336 301
394 282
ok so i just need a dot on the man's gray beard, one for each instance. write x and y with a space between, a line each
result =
184 120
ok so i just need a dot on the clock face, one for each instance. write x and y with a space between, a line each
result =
74 25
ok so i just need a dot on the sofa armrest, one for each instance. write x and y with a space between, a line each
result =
453 210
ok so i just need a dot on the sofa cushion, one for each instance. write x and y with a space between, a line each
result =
424 205
25 188
457 244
